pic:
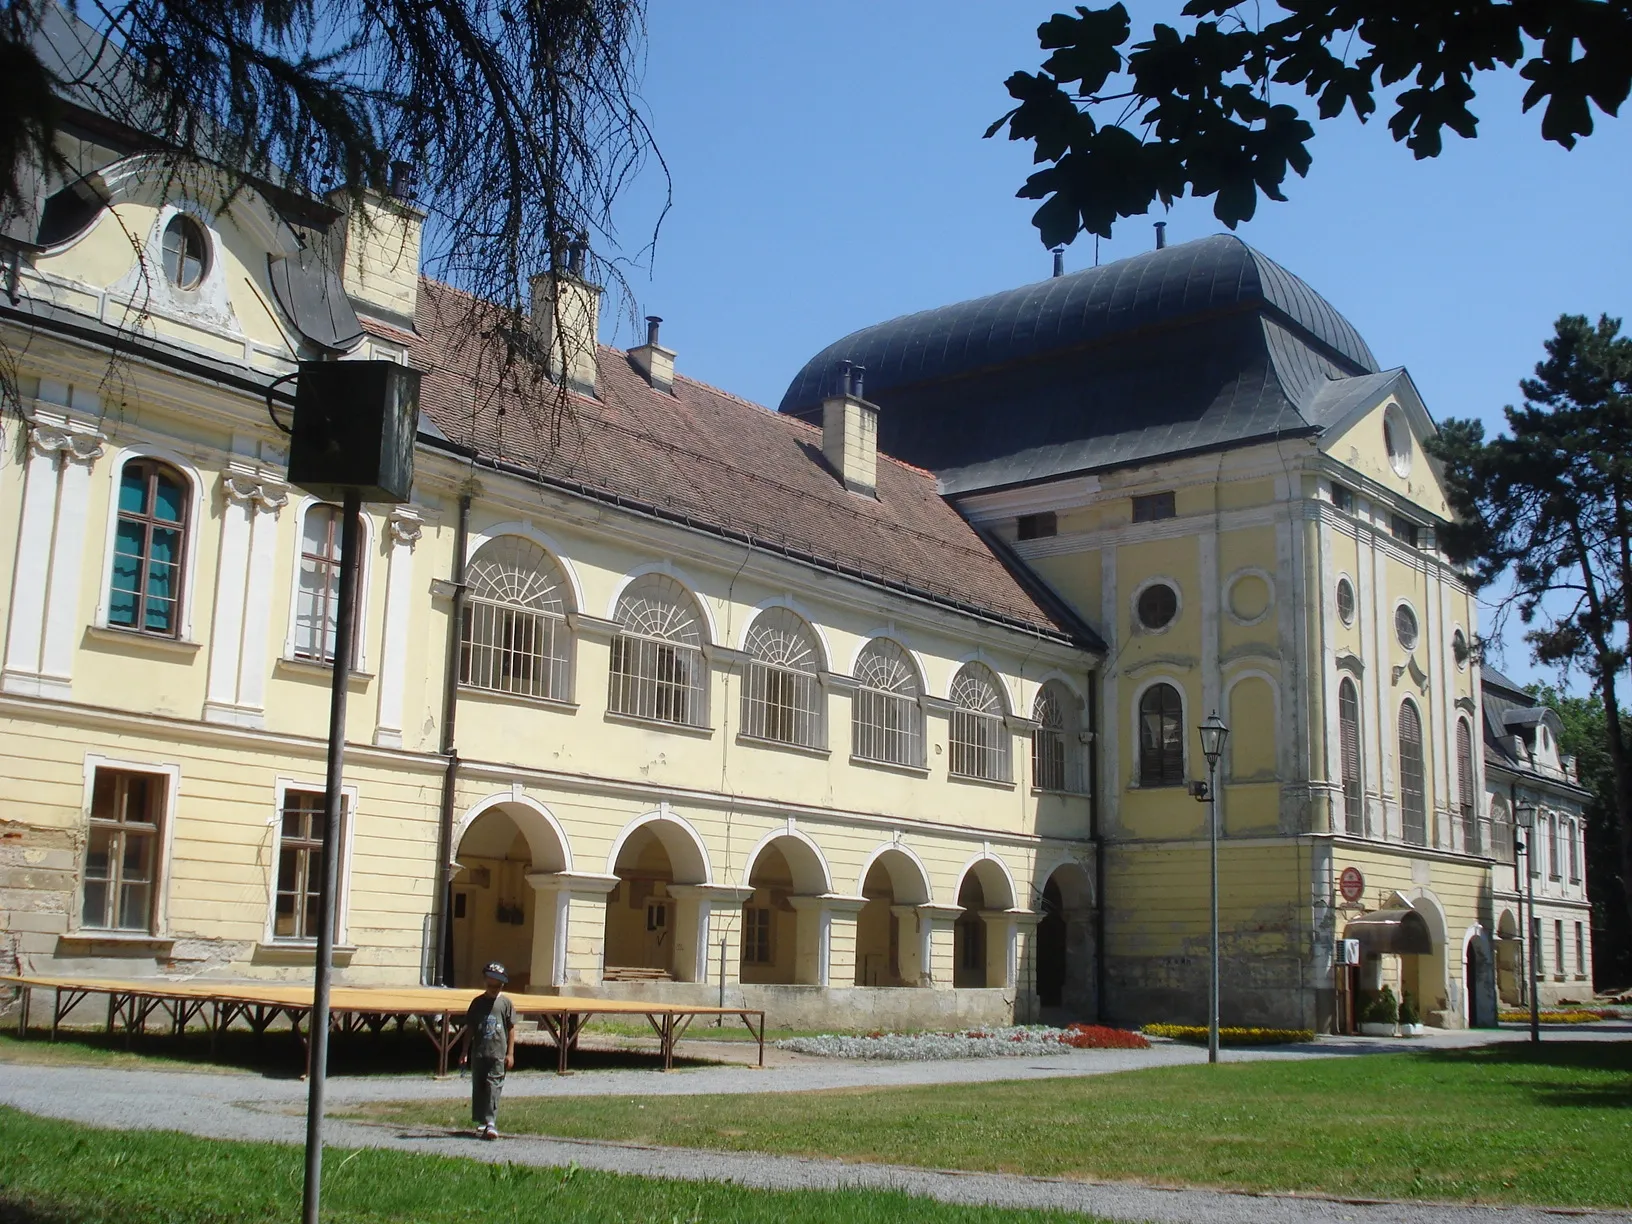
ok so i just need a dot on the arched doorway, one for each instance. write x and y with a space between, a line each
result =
781 934
646 918
495 913
982 933
1479 981
1064 949
1424 976
889 935
1509 960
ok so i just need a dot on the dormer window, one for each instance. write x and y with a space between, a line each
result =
1037 526
186 252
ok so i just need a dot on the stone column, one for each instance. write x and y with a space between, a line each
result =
406 527
1023 923
252 498
935 924
569 928
45 616
909 945
839 914
704 915
809 940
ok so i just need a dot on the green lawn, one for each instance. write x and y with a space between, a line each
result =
1512 1123
57 1173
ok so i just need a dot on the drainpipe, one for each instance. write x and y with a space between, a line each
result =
441 877
1095 824
1525 920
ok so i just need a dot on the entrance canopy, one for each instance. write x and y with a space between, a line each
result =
1399 931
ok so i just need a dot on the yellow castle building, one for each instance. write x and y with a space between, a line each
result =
877 710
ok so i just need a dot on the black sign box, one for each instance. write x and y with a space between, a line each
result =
355 424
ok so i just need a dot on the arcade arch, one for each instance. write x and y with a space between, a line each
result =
890 938
1065 945
653 919
495 912
982 935
781 919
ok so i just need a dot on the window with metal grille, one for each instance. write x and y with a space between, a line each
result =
1464 788
1053 756
756 935
888 722
515 637
317 593
1153 506
122 850
1348 726
300 866
1413 793
979 740
150 544
658 671
1161 737
781 698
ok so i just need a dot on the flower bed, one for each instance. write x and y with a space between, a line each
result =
1014 1041
1230 1036
1578 1015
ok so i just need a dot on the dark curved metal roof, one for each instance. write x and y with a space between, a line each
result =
1204 344
1207 276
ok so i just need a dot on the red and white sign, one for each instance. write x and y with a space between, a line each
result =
1351 884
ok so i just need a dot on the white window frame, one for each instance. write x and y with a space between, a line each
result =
1069 734
171 772
348 836
190 546
1001 752
567 638
1394 631
917 729
755 705
364 573
699 686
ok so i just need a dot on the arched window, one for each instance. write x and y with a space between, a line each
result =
658 671
781 699
1053 745
1161 737
979 740
1501 831
317 587
150 545
514 638
1468 813
1413 792
1348 735
888 723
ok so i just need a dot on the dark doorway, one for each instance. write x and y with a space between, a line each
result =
1051 948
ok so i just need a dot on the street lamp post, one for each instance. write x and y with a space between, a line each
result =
1213 733
1525 814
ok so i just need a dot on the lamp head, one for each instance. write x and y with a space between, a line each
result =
1213 734
1525 814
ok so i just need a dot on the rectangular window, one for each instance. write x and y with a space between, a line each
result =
1404 530
756 935
1558 947
1580 951
1037 526
300 867
1153 506
1552 847
1343 497
122 851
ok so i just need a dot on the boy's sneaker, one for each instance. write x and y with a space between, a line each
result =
489 1133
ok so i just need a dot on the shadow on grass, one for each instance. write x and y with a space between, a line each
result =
1613 1058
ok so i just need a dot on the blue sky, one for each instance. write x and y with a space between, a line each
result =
828 172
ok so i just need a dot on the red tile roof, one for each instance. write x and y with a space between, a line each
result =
719 463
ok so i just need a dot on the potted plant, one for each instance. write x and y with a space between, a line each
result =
1410 1019
1379 1014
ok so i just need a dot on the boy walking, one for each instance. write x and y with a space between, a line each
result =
490 1049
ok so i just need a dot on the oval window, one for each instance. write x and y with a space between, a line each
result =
1405 626
1158 605
1397 440
1459 649
186 252
1345 601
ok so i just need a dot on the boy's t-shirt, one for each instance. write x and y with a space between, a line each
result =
490 1021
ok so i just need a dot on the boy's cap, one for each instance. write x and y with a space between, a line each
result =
495 971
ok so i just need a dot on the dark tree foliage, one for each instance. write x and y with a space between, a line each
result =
1550 504
519 118
1586 738
1213 110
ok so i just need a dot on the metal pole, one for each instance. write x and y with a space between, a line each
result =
720 1022
318 1021
1212 984
1534 929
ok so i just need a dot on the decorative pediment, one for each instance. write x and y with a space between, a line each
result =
1350 662
1418 676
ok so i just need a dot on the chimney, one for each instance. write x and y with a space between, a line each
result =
567 321
378 254
653 360
1161 234
850 435
1059 261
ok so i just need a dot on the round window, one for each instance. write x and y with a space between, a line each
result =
186 252
1345 601
1405 626
1158 605
1459 649
1397 439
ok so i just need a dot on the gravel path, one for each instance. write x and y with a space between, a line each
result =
253 1108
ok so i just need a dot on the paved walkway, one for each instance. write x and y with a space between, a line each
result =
253 1108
